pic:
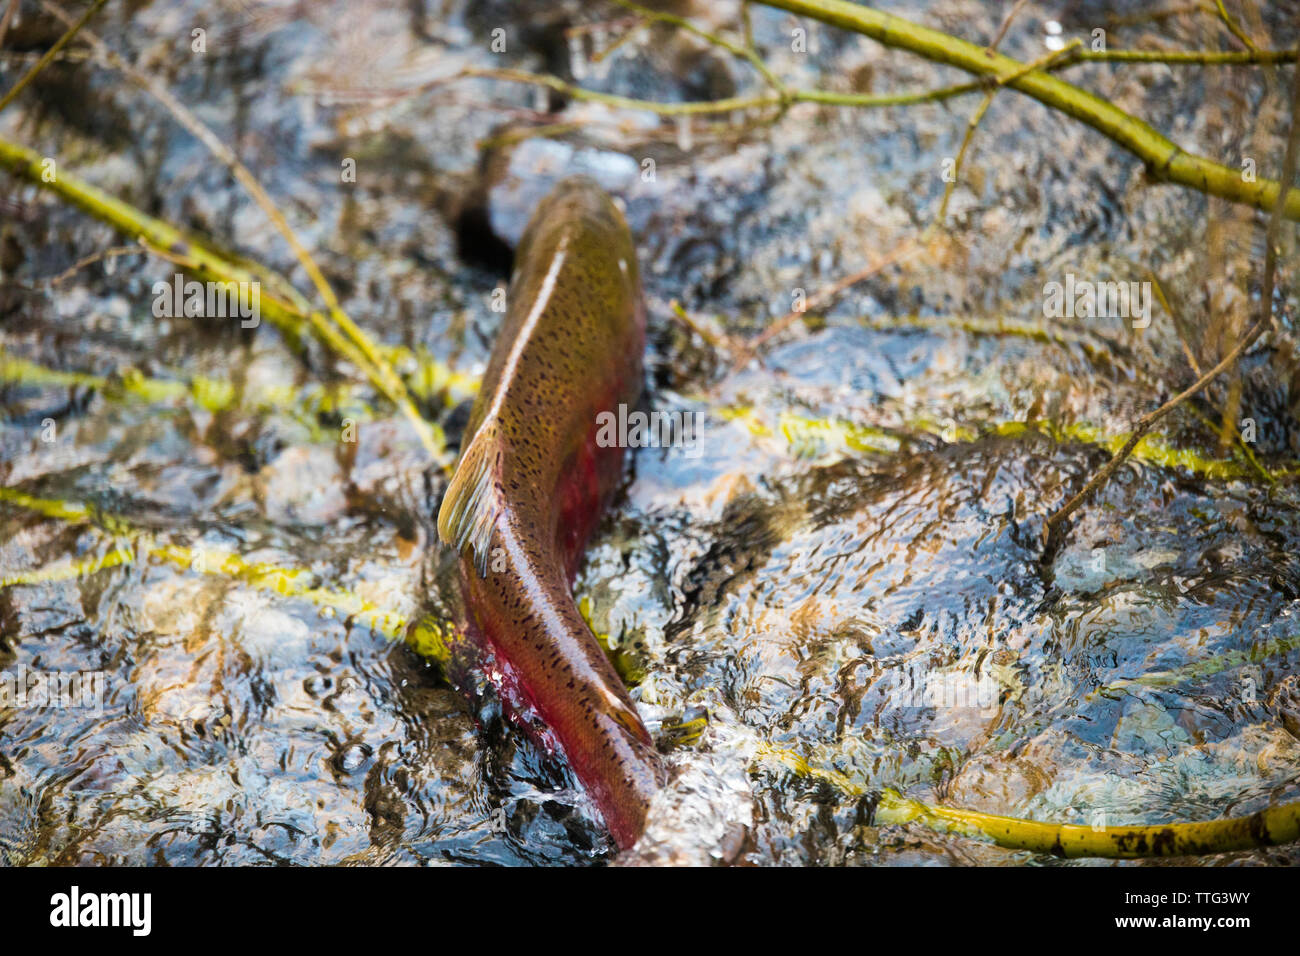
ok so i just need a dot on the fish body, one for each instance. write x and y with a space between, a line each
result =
532 482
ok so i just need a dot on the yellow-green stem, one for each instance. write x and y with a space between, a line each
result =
1164 160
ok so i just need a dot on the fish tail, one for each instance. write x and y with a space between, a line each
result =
473 501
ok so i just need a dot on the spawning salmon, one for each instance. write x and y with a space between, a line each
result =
532 482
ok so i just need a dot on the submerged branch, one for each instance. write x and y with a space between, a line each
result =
202 262
1052 528
1270 827
428 636
429 379
1217 664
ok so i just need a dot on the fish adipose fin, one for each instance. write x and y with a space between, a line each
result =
472 504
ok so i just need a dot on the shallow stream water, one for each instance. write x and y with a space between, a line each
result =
842 574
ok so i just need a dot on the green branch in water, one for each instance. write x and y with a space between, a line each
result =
427 636
305 406
202 262
209 394
1233 27
362 351
69 570
1271 827
1229 660
427 378
810 436
1164 160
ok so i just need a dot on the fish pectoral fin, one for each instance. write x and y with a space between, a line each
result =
472 504
626 717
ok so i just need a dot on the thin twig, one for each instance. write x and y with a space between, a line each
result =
89 260
821 298
599 56
7 19
978 115
1006 24
694 107
1233 27
831 98
1177 318
709 107
1141 427
1142 372
720 341
50 54
747 25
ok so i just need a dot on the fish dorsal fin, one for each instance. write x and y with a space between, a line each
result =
472 504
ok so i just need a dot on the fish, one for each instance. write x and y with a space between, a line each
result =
533 480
